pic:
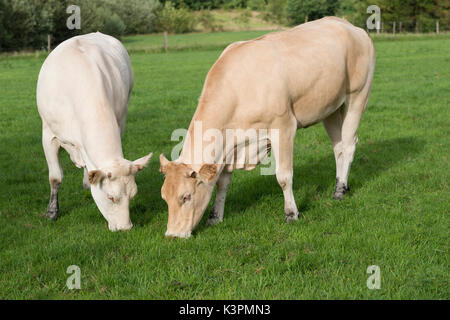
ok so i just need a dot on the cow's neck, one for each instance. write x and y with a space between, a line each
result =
106 149
194 146
246 146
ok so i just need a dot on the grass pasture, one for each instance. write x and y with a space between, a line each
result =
396 215
154 43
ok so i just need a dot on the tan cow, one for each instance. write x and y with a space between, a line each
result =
318 71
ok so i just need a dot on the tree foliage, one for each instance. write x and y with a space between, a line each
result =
26 23
174 20
299 11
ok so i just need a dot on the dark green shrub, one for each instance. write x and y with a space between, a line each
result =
259 5
244 17
235 4
138 15
275 11
196 4
208 21
299 11
114 26
17 25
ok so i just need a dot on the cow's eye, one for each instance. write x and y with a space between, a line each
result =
186 198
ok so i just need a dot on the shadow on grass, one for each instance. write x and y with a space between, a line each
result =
148 203
318 176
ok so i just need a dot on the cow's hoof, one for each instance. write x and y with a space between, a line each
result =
338 196
52 214
213 221
52 210
214 218
115 227
340 190
291 216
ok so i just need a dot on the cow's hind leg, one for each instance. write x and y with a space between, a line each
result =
51 149
345 145
216 215
283 150
333 126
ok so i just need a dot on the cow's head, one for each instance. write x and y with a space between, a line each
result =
187 193
112 189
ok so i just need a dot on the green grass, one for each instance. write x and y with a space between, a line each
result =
154 43
396 215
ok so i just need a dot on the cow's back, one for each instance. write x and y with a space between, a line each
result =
85 78
307 70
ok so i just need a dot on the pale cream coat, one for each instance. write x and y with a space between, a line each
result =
320 71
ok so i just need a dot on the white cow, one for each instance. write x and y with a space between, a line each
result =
82 96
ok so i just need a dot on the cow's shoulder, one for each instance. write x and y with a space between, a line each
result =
232 47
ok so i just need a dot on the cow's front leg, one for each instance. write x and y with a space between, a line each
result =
284 156
86 184
51 149
53 206
216 215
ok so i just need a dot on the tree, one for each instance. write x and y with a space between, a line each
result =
275 11
299 11
415 15
23 24
174 20
138 15
196 4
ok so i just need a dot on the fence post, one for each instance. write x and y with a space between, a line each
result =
165 41
400 27
437 26
393 28
48 43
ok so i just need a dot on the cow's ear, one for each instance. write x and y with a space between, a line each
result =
164 162
95 176
207 172
139 164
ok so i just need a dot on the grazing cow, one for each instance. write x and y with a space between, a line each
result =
82 96
318 71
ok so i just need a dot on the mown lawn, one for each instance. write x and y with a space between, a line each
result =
396 215
154 43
